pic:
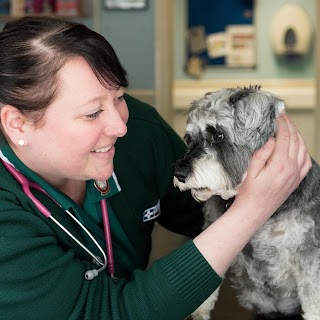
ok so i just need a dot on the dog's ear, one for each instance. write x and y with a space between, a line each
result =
255 113
279 107
242 93
237 96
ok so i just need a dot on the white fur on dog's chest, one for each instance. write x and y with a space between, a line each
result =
271 262
286 233
278 241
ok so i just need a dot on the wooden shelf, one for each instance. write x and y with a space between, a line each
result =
77 11
8 17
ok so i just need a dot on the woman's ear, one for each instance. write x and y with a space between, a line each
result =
13 123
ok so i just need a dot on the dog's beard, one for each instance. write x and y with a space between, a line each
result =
207 179
202 194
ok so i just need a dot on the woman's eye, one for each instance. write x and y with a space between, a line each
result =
94 115
119 99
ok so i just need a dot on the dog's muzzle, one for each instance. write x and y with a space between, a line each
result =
182 170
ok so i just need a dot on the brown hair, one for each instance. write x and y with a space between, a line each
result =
34 49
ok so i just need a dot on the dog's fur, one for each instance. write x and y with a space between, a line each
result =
278 272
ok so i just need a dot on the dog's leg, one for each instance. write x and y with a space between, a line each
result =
204 311
310 302
309 288
310 305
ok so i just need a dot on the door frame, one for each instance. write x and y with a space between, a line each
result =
317 107
164 13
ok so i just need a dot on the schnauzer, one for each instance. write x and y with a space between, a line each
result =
277 274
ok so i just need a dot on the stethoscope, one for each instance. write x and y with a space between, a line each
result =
101 186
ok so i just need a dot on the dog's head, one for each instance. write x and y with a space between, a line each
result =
223 129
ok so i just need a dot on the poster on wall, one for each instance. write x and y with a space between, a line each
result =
227 30
217 45
240 46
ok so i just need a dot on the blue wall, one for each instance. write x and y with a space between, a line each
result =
132 35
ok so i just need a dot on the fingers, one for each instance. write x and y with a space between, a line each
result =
306 167
287 144
260 158
295 142
282 137
298 150
303 158
292 151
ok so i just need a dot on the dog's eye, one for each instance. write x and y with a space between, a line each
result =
217 136
214 135
187 139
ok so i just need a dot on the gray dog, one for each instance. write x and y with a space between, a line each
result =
278 272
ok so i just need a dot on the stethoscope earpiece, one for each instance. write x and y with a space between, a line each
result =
91 274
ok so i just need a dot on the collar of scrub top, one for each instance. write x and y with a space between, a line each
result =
8 156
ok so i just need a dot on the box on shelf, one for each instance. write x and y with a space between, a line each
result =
25 7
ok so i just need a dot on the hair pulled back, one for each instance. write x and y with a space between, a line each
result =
34 49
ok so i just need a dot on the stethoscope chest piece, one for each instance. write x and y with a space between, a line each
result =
102 186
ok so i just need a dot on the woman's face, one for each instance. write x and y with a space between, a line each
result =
79 130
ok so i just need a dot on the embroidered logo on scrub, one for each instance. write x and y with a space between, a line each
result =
152 212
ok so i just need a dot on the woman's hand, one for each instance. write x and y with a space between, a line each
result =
276 169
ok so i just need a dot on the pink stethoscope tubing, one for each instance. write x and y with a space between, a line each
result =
90 274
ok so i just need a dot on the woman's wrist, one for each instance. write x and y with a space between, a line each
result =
223 240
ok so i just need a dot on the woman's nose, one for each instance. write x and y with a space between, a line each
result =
115 124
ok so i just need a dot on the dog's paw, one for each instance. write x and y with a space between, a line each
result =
205 309
310 317
198 317
200 314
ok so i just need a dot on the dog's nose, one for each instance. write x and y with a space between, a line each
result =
181 175
181 170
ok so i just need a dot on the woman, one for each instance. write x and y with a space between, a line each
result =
63 115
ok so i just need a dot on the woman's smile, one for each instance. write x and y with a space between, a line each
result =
105 149
106 153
